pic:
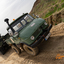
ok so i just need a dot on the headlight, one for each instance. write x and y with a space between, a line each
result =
32 37
45 23
15 34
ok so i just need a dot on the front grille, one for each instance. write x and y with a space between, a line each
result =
37 32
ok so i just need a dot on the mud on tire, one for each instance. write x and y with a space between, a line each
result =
30 50
16 49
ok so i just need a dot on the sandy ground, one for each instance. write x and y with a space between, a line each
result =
48 50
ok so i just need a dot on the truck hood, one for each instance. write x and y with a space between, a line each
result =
28 30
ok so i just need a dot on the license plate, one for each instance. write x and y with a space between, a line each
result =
46 38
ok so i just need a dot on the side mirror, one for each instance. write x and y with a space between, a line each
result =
36 16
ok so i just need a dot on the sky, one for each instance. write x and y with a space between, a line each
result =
12 9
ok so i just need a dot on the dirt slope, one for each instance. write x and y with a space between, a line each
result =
45 8
48 50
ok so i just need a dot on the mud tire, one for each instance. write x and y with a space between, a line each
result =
30 50
16 49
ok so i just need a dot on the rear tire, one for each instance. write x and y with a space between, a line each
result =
16 49
30 50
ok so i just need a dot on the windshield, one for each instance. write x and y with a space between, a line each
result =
17 26
28 18
21 22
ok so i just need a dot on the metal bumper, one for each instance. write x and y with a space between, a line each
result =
42 37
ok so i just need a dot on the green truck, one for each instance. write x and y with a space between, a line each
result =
27 32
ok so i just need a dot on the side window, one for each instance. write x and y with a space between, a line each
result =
23 22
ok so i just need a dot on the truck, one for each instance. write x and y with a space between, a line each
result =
27 32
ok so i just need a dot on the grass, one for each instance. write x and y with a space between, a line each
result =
62 5
55 1
57 8
50 12
62 1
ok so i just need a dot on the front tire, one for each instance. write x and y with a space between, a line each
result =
16 49
30 50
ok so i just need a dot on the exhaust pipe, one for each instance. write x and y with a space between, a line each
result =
6 20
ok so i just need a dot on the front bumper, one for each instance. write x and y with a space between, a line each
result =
42 37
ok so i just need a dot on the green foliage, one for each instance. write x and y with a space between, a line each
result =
53 3
62 0
62 5
62 20
51 12
59 9
56 8
55 24
53 19
48 14
56 1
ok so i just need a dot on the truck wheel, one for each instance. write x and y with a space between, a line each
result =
16 49
30 50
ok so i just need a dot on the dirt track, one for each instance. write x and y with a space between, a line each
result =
48 51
